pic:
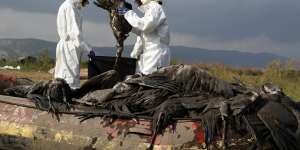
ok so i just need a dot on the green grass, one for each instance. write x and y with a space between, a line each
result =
43 63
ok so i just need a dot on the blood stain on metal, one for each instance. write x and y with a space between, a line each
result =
157 140
199 132
118 127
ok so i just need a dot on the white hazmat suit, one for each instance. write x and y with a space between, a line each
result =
153 37
71 45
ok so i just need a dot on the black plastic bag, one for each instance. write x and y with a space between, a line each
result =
100 64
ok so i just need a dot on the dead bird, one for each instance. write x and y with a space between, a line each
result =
185 80
163 116
268 116
118 23
105 80
53 96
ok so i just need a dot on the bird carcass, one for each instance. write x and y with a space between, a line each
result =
53 96
118 23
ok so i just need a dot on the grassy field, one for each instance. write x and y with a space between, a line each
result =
283 75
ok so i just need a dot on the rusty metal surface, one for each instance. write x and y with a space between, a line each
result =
34 129
33 125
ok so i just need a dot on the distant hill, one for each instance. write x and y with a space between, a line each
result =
13 48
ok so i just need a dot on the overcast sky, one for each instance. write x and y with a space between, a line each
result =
245 25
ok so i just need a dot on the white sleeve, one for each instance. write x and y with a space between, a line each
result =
152 18
138 48
62 25
76 29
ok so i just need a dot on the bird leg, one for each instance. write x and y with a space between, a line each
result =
224 109
120 48
225 133
52 109
68 106
156 130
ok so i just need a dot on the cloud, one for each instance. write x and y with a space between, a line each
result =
25 25
92 12
214 19
248 25
257 44
43 26
236 20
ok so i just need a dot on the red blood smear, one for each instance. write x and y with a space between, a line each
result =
7 78
199 133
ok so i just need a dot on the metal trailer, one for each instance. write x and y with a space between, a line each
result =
28 128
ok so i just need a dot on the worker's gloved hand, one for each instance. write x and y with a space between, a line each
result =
122 10
138 57
92 55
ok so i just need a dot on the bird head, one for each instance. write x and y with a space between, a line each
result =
104 4
84 2
58 90
78 3
269 88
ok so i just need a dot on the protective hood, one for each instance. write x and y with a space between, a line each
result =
145 5
75 3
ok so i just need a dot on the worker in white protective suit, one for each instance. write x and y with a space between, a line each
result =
153 36
71 46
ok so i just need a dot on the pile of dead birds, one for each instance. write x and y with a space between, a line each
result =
182 92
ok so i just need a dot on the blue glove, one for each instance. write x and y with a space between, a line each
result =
121 10
92 55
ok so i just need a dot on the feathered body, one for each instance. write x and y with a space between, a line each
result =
118 23
53 96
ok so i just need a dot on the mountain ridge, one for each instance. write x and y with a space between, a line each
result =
13 48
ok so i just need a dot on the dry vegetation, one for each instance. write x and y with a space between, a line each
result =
285 75
33 75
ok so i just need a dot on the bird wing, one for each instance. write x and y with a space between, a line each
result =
281 124
147 99
24 81
196 79
103 81
157 82
104 4
18 91
209 121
